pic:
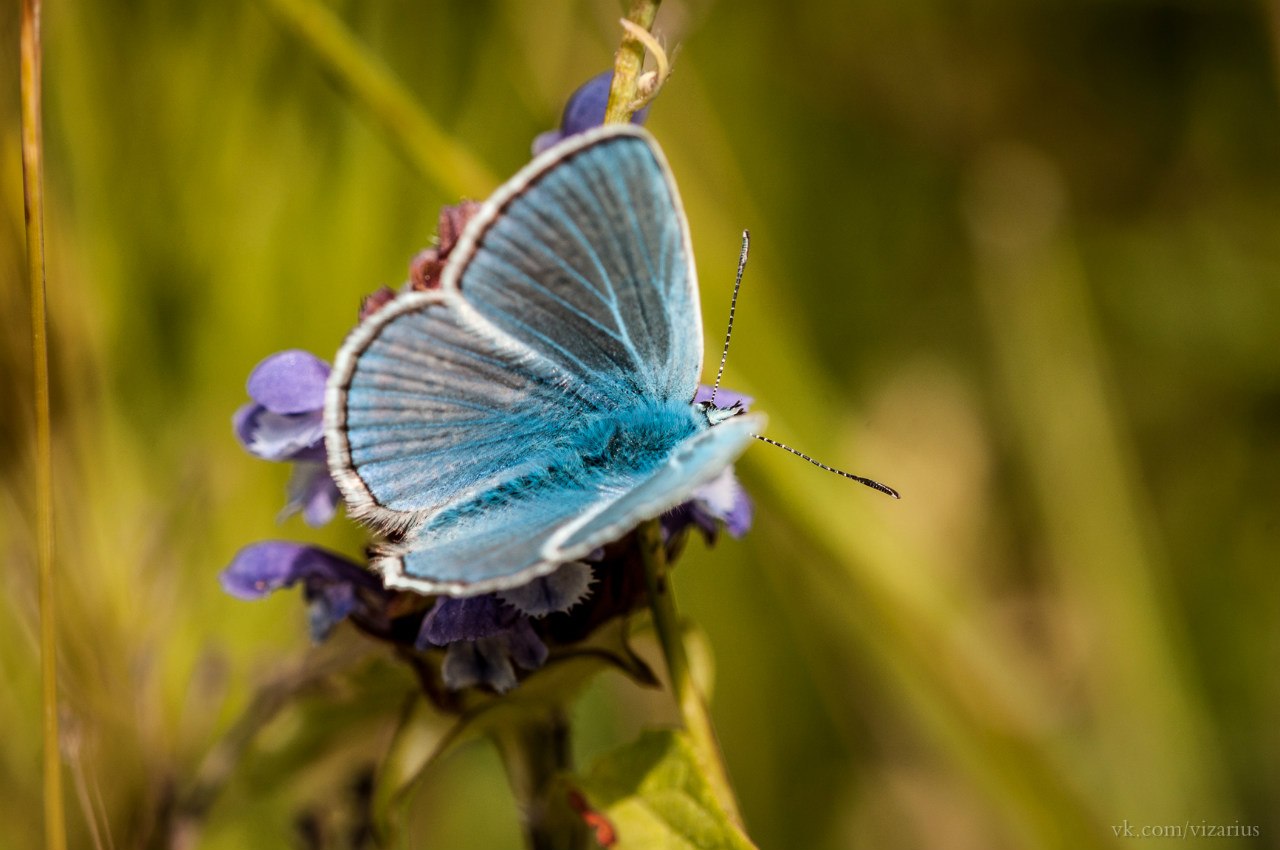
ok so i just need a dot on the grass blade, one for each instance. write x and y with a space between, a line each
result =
372 86
55 837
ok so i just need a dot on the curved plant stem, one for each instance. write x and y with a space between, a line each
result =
624 93
372 86
535 752
693 709
55 837
624 96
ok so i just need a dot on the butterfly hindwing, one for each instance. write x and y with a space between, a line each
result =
696 461
523 531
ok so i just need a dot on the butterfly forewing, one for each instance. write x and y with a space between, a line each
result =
587 262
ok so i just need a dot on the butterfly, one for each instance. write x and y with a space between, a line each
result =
539 403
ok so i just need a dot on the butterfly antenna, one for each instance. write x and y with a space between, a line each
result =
874 485
733 303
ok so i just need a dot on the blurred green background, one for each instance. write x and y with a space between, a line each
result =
1019 260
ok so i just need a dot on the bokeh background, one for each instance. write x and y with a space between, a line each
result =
1020 260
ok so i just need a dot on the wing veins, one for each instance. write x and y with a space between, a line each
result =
533 283
605 279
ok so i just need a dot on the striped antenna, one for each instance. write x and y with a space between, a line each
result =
724 356
874 485
733 303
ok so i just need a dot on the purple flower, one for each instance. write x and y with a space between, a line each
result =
469 618
492 660
488 636
724 397
720 502
333 586
584 110
285 422
486 639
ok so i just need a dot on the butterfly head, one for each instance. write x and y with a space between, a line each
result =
716 415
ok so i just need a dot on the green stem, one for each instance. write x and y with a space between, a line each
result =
627 64
372 86
692 707
623 95
55 837
535 751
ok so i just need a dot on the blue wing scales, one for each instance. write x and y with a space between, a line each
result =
518 534
586 260
461 417
433 409
693 463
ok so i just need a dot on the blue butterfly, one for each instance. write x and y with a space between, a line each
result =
539 404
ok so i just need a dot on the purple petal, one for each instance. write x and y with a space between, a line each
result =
543 141
524 646
724 499
290 382
273 436
468 618
276 436
243 421
584 110
492 660
261 568
323 503
724 397
739 517
559 591
683 516
586 106
312 491
328 605
482 662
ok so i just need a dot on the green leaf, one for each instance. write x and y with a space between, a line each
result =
654 793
